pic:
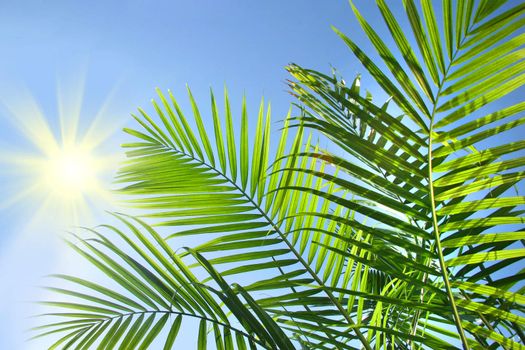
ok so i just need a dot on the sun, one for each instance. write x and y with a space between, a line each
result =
66 170
71 173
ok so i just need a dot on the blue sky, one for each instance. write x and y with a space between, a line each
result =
115 54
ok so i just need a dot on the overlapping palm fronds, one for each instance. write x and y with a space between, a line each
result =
406 233
158 293
175 178
445 164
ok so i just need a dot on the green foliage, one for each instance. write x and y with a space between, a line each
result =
407 233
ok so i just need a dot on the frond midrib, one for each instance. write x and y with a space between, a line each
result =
283 236
435 223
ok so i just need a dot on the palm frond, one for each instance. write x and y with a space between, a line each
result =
456 207
157 293
407 233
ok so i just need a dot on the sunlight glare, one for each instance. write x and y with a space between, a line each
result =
71 172
66 173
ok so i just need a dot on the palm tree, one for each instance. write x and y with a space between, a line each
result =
406 234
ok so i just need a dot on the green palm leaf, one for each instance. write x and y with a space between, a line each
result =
159 302
407 233
452 200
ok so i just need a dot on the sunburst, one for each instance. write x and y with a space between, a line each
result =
67 170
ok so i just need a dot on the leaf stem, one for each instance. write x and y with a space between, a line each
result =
435 224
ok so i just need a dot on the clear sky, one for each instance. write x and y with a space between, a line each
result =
98 61
86 58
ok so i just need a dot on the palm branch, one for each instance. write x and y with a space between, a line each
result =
392 238
186 183
454 178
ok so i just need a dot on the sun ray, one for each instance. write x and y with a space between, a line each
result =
101 128
66 174
16 161
41 214
19 196
70 98
26 115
